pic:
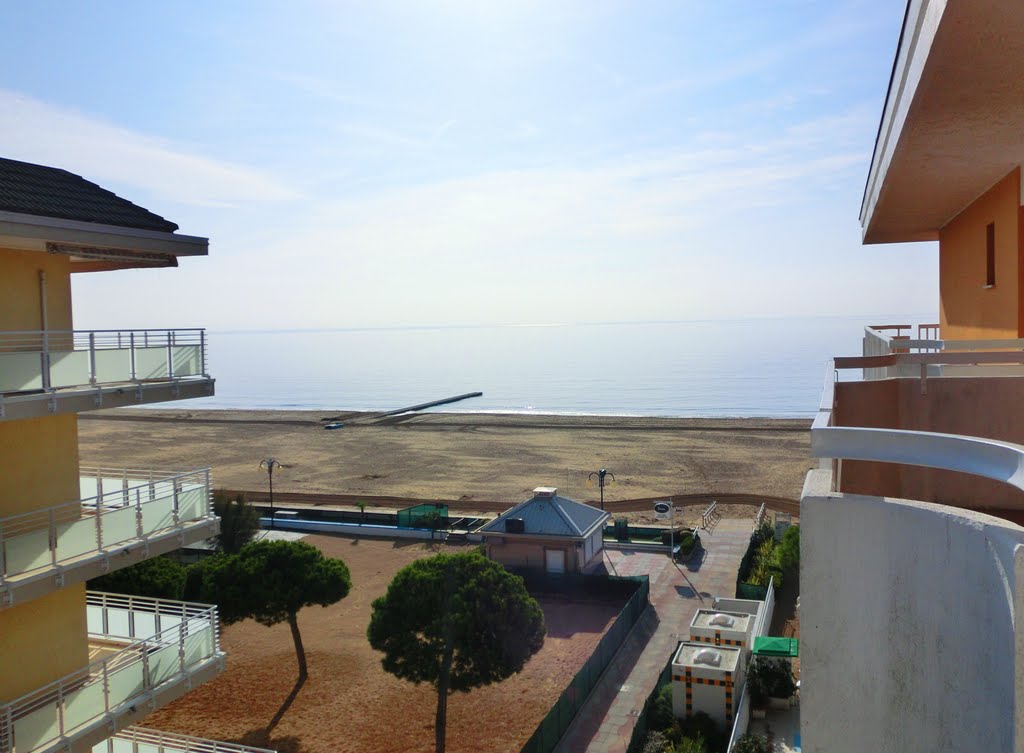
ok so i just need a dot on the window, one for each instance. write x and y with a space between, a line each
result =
990 255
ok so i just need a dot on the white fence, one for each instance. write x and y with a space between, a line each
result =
164 641
142 740
124 506
49 359
762 625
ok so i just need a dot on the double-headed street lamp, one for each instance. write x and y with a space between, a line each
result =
601 476
270 464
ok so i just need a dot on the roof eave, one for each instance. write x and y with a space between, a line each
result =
32 233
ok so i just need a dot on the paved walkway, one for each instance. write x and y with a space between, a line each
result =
605 723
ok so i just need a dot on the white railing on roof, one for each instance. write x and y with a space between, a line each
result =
164 641
990 458
144 740
50 359
117 507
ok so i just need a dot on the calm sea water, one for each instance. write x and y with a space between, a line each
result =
763 367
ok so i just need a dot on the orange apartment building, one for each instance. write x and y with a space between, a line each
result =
912 571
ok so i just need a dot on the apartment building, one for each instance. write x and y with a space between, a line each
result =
78 669
912 568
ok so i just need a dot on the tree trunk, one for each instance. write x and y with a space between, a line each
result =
300 652
444 673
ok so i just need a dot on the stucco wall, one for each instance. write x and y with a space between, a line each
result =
40 463
526 554
967 309
908 640
42 640
20 307
991 407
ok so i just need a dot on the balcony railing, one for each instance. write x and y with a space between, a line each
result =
890 339
51 360
165 642
124 506
142 740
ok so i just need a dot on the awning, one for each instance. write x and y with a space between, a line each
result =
772 646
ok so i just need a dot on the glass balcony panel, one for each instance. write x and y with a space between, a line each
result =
76 538
27 551
126 682
163 663
37 727
158 514
119 526
186 360
69 367
192 503
199 645
20 372
112 366
145 623
82 705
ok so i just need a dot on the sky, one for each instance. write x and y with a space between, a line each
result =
382 164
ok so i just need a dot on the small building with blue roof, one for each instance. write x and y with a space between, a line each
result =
546 533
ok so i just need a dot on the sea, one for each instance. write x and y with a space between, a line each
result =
741 368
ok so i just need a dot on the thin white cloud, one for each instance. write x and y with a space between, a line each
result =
35 131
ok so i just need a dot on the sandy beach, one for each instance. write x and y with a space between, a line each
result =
478 460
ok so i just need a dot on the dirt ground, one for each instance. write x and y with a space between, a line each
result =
466 457
349 703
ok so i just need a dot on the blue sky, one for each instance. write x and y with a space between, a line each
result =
452 162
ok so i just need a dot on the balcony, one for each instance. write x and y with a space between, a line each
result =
142 740
150 652
931 420
47 372
124 517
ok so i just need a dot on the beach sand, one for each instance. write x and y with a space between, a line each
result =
485 462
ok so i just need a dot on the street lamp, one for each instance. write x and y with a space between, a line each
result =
601 474
270 464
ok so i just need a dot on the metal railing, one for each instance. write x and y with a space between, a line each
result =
144 740
762 511
889 339
989 458
124 506
163 641
48 360
710 516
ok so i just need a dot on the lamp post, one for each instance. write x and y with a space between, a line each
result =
601 475
270 464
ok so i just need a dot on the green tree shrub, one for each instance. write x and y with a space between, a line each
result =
156 578
239 522
456 621
751 743
789 550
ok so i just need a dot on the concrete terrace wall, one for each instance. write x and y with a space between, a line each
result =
908 641
989 407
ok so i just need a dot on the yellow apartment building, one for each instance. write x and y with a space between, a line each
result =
912 560
79 669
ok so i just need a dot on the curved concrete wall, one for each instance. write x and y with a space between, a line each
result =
908 639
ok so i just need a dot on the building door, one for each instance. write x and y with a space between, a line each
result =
554 561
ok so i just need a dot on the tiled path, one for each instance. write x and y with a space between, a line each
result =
677 591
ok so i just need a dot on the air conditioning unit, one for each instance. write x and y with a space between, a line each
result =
515 525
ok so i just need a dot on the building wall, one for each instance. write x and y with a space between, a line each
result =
991 407
40 463
908 640
967 309
20 307
42 640
529 554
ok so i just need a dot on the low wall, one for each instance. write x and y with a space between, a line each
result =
354 529
908 634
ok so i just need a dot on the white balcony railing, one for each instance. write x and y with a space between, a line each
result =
165 642
123 506
892 339
51 360
142 740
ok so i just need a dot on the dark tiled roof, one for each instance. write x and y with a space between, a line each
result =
51 192
550 516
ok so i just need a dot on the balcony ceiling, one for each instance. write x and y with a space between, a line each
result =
953 124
